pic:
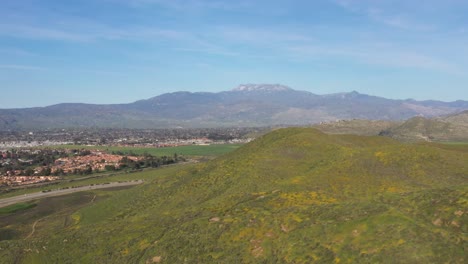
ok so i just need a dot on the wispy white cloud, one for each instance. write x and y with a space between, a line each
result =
398 21
236 41
302 45
214 51
410 60
188 5
34 32
262 35
102 72
43 24
375 56
16 52
22 67
76 32
347 4
379 12
19 67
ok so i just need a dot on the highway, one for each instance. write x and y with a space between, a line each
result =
39 195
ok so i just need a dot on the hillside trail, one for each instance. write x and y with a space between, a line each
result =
40 219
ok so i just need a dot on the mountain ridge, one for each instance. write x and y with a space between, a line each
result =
246 105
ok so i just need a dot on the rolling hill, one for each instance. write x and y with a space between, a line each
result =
448 128
246 105
360 127
294 195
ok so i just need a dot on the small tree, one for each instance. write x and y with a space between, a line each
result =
47 171
109 168
88 170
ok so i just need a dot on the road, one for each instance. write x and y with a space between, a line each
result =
33 196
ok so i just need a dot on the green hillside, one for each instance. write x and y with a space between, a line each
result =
295 195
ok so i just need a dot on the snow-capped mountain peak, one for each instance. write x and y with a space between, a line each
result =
261 87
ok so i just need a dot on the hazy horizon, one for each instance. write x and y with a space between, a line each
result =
225 90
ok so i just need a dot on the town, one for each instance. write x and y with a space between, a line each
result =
127 137
30 166
31 157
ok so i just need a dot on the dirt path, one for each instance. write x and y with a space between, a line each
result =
38 220
38 195
34 227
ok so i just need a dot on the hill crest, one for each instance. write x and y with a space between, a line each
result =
294 195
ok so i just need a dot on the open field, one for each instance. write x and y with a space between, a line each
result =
15 207
454 142
145 175
57 192
43 215
190 150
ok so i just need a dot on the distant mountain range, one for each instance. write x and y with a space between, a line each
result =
246 105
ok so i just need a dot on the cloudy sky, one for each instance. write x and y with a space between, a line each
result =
118 51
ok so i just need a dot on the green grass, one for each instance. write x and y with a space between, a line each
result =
56 213
292 196
146 175
44 215
189 150
454 142
16 207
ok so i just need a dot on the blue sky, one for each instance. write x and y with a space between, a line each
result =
118 51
